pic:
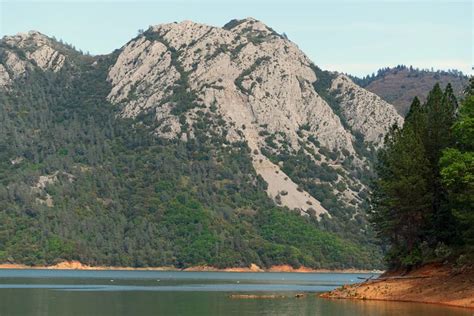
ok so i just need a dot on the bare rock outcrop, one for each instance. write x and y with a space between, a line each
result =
260 74
259 83
4 76
38 51
364 111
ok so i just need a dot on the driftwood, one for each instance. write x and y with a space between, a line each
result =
366 279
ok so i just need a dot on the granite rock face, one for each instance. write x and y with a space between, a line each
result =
258 87
4 76
260 83
364 111
25 51
254 76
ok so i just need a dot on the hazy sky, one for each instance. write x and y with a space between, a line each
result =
357 37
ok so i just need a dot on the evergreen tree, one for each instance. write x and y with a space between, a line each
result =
410 206
470 87
415 107
402 199
457 165
440 111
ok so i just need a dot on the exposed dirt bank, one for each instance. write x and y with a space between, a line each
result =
435 284
76 265
288 268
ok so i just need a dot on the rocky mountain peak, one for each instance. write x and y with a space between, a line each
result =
27 39
248 25
249 85
25 51
261 88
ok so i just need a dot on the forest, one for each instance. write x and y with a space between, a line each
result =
80 182
77 182
422 204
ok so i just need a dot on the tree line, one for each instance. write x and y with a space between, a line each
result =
422 204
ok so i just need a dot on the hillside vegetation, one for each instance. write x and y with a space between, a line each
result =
190 145
79 182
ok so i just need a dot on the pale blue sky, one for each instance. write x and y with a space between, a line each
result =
357 37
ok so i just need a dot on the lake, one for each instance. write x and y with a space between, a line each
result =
89 293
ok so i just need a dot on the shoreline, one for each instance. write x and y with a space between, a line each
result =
404 301
431 284
76 265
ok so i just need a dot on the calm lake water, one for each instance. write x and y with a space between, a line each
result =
89 293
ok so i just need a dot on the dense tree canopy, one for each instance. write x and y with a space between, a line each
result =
79 183
457 165
422 200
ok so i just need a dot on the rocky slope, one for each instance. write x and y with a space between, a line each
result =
364 112
189 142
260 84
28 50
257 84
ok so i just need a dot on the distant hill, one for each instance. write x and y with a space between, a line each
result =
399 85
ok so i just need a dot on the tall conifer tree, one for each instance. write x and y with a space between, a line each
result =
410 203
457 171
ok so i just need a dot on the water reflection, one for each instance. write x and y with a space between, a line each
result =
124 293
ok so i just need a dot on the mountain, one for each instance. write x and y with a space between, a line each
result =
191 144
399 85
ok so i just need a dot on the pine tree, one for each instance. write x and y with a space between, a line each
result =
469 90
401 199
440 116
415 107
457 165
410 204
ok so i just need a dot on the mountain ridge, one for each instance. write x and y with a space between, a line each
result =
243 84
209 140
